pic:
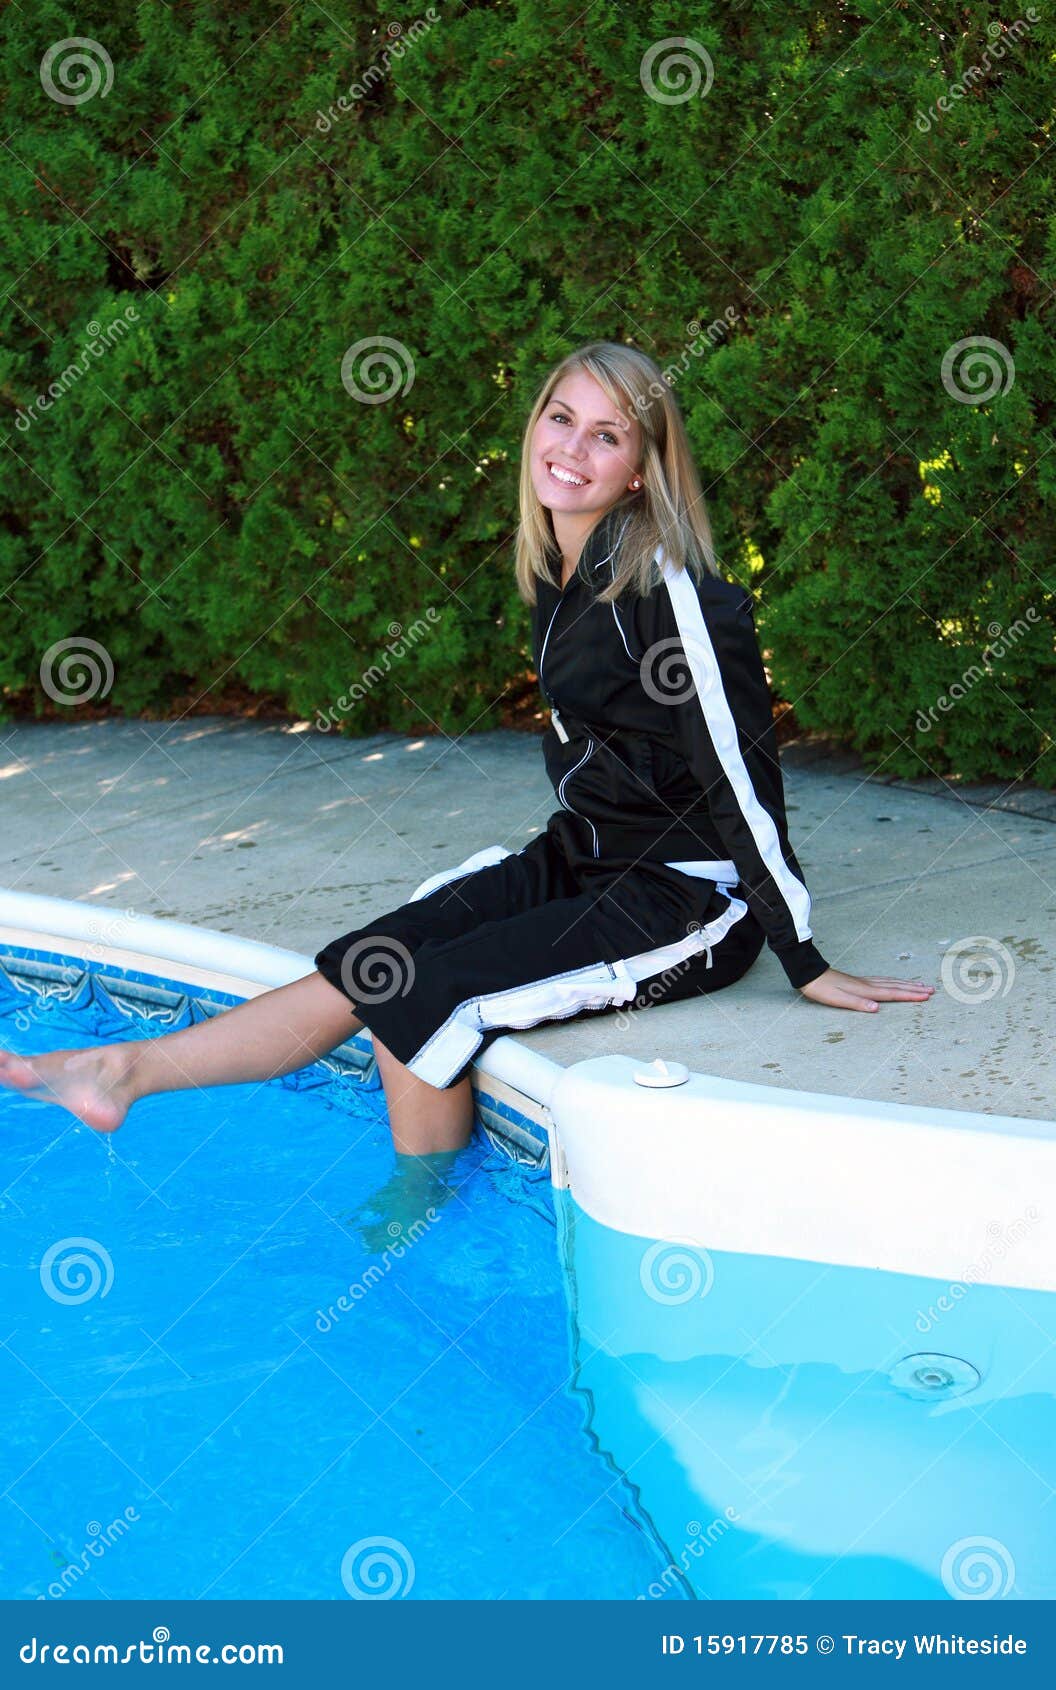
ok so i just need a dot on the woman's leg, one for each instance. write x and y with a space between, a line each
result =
272 1034
266 1036
429 1127
423 1118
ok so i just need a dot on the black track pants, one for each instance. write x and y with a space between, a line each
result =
511 939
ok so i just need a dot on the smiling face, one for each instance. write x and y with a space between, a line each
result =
584 453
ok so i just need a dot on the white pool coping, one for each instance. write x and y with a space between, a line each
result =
728 1165
223 962
713 1163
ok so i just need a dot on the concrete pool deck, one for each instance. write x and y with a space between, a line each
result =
276 832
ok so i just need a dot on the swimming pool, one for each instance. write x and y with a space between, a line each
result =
225 1375
817 1333
807 1431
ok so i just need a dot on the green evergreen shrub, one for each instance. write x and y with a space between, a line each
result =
801 246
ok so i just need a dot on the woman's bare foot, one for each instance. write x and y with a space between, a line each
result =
93 1084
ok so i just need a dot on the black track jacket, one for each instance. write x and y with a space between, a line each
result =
662 739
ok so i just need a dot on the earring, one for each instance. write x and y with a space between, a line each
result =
635 484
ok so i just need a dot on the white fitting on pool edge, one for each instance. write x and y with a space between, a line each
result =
208 958
728 1165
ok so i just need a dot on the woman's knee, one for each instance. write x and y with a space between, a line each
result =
395 1073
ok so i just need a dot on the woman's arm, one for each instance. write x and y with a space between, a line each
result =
702 659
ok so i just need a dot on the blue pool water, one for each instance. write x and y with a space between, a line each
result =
182 1417
796 1430
512 1400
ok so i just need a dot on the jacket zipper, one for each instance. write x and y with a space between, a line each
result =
542 651
561 790
555 719
561 734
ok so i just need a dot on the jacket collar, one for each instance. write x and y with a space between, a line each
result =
600 547
603 541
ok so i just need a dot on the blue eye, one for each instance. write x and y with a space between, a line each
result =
556 416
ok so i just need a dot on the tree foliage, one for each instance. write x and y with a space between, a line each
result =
799 244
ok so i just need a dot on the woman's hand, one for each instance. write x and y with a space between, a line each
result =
851 991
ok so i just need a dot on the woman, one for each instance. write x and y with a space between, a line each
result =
666 867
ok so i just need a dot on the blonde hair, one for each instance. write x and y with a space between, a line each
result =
668 512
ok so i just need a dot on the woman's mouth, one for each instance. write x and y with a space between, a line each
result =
567 477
